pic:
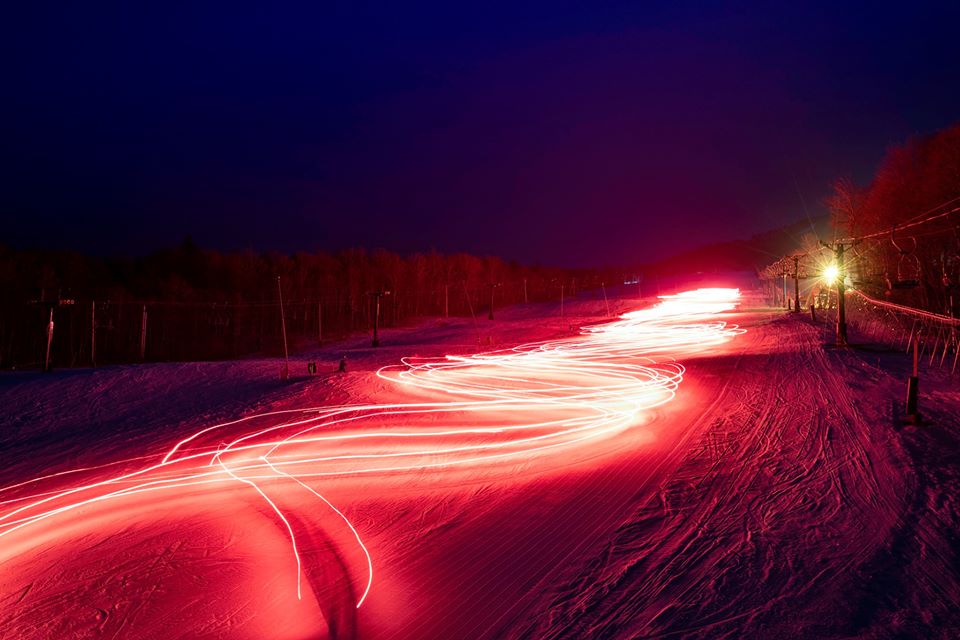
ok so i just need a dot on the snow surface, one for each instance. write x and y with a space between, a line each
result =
778 495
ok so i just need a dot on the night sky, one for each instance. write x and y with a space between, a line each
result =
564 134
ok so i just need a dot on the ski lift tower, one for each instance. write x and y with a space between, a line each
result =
838 249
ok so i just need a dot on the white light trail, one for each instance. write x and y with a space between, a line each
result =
521 403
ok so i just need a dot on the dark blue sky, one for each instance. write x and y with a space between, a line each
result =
567 134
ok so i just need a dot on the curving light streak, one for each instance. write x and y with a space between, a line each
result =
497 406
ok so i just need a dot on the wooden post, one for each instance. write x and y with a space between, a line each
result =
143 334
285 373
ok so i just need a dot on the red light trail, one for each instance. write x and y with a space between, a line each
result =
477 410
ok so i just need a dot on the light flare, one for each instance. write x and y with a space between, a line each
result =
830 274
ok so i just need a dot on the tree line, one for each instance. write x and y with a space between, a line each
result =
189 303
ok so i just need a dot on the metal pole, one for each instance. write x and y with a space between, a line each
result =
320 324
446 301
561 300
283 328
525 299
605 301
490 316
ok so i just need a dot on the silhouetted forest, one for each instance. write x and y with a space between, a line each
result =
188 303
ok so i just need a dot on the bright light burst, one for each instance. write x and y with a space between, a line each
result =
508 405
830 274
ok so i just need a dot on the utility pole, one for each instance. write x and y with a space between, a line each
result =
376 314
838 254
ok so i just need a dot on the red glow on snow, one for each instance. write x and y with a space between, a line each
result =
516 404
